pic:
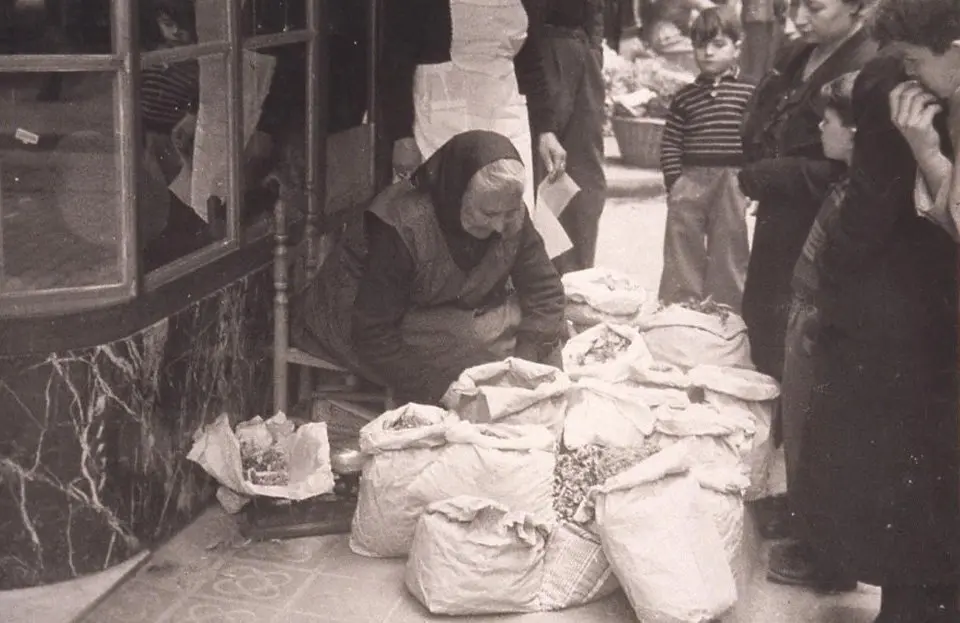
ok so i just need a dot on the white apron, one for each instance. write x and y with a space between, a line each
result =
477 89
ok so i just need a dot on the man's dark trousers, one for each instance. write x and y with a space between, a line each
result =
573 69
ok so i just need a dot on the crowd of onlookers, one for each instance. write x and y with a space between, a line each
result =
845 147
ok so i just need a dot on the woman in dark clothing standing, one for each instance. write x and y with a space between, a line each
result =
444 273
879 477
787 172
877 489
789 176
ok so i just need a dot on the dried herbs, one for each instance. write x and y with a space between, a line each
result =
580 469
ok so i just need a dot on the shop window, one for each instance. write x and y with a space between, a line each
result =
60 208
115 184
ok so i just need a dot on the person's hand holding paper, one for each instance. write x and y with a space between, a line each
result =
553 196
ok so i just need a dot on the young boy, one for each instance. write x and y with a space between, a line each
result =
837 132
705 245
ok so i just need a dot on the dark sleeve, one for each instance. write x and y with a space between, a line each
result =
530 75
804 181
882 176
382 301
621 22
402 38
540 292
671 145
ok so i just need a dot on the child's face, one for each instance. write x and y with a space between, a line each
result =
939 73
718 56
837 138
172 32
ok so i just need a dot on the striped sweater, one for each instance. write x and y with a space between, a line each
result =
703 126
168 93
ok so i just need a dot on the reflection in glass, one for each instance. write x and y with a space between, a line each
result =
183 107
60 211
276 147
185 139
54 27
264 17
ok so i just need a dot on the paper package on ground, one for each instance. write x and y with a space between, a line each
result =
400 443
604 351
575 570
687 337
606 414
508 463
721 495
599 295
269 458
666 552
512 391
475 556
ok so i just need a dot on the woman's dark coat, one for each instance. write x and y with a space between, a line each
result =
877 488
788 174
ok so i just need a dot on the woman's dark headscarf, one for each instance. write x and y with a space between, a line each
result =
446 174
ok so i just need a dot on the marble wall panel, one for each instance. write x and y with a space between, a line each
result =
92 453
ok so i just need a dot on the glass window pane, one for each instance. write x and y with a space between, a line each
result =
264 17
274 89
185 141
60 210
349 51
55 27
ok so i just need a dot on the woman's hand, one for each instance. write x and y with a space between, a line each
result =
912 110
553 154
406 157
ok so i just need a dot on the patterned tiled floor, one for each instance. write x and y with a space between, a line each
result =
210 574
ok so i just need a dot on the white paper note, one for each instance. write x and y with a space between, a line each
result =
555 239
556 195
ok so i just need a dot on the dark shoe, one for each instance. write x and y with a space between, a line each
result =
794 564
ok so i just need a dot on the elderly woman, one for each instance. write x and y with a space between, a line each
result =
445 272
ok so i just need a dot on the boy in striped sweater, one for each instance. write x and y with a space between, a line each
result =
705 246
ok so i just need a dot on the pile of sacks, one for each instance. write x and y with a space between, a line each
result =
536 489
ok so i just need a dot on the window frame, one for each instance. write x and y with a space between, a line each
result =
68 314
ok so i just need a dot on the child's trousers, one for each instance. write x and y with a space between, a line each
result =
705 250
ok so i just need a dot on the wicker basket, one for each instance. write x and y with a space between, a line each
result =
639 140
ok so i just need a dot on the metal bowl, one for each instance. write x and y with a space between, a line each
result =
346 460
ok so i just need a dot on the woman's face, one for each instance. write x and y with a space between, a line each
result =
493 201
826 21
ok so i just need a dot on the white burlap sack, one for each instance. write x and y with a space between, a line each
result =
510 464
575 570
513 391
721 495
598 295
689 338
606 414
578 360
746 385
666 552
745 394
474 556
387 513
